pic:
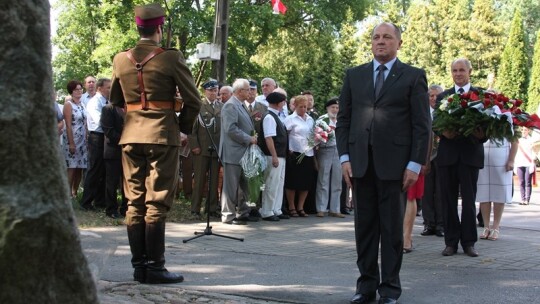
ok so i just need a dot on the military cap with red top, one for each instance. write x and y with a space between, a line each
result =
149 15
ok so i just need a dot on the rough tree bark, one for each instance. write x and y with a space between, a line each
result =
41 260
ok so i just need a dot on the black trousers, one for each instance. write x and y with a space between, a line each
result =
114 177
454 179
94 182
431 202
378 216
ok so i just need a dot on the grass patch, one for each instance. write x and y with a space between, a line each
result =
180 213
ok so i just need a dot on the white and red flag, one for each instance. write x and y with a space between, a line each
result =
278 7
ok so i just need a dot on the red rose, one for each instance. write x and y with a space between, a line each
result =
463 103
474 96
517 111
518 103
450 99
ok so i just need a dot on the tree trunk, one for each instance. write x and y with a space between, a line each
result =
41 260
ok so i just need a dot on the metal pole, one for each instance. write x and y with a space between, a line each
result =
222 34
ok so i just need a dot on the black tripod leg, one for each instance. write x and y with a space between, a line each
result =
228 237
208 230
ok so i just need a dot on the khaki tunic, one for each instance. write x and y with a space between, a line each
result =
151 138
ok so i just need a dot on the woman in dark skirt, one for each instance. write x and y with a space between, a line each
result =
300 169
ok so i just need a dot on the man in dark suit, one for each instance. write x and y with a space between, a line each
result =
382 133
112 123
237 130
459 159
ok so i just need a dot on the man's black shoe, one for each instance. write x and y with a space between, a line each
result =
235 222
362 298
284 216
162 276
255 213
248 219
449 251
345 211
439 232
387 301
271 218
428 231
470 251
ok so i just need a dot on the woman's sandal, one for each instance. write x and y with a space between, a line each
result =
293 213
408 250
486 234
301 213
493 234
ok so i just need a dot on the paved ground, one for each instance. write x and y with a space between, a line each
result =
312 260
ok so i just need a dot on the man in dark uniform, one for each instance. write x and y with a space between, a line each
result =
151 138
205 161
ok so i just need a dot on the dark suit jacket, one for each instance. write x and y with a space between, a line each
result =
467 150
398 121
112 122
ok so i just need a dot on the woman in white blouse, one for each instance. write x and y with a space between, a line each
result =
300 169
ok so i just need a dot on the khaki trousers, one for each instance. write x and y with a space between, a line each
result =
150 181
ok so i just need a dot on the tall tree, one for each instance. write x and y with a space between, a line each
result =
41 259
511 78
347 45
459 43
486 36
534 84
421 42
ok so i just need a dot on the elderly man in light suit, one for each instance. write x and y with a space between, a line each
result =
382 133
236 136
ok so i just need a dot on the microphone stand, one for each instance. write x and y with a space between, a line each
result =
208 229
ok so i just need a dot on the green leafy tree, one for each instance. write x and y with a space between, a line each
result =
347 46
459 43
486 36
512 74
421 42
534 84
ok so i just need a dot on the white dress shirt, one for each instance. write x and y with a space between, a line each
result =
93 111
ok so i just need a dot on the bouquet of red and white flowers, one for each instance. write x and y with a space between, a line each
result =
321 133
498 115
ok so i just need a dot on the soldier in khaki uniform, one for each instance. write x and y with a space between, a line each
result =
151 139
200 143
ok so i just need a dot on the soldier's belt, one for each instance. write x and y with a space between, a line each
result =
154 105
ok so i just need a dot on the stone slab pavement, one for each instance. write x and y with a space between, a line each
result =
313 260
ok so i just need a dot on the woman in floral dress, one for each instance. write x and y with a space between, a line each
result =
74 137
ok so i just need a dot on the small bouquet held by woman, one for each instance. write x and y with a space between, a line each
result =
321 133
498 115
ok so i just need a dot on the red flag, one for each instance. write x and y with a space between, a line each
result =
278 7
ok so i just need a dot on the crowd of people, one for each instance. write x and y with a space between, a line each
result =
383 151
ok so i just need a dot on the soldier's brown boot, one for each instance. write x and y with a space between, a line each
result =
156 273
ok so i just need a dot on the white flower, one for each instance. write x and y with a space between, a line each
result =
443 105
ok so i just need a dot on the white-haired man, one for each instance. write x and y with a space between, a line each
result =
236 130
